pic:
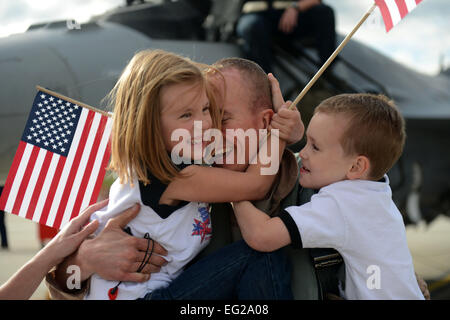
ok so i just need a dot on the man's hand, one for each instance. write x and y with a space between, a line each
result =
113 254
288 122
288 20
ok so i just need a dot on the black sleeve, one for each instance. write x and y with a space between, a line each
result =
296 240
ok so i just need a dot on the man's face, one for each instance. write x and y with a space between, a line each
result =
237 114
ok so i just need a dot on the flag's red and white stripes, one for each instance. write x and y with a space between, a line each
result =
51 189
395 10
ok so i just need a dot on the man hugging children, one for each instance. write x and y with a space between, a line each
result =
352 141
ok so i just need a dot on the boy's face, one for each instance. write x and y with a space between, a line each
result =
323 158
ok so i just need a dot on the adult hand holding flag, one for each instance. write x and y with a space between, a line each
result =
60 163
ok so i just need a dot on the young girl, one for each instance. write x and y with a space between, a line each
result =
158 93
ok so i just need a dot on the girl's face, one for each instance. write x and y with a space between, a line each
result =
181 105
324 161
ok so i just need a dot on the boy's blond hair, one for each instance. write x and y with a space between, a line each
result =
375 129
137 145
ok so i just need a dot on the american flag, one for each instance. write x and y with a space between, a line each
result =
60 163
395 10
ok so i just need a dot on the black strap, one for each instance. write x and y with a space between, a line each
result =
296 239
144 261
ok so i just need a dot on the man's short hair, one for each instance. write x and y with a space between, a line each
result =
376 128
255 77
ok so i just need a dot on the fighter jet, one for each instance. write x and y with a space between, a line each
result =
84 61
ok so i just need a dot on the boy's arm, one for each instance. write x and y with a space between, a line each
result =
260 231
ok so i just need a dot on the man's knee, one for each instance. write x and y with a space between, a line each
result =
324 13
250 26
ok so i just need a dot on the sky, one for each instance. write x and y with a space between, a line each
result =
421 40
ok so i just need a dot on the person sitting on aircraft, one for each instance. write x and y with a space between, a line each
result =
352 141
264 21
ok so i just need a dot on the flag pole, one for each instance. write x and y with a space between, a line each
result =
81 104
331 58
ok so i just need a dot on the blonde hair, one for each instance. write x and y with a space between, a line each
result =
376 128
137 145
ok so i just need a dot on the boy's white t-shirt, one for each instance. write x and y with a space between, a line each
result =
359 219
183 233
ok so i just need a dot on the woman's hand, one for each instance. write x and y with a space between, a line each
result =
70 237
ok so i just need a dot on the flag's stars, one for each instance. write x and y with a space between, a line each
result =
42 96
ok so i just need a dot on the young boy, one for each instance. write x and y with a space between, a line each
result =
352 141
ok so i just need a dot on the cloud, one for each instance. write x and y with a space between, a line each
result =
17 15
